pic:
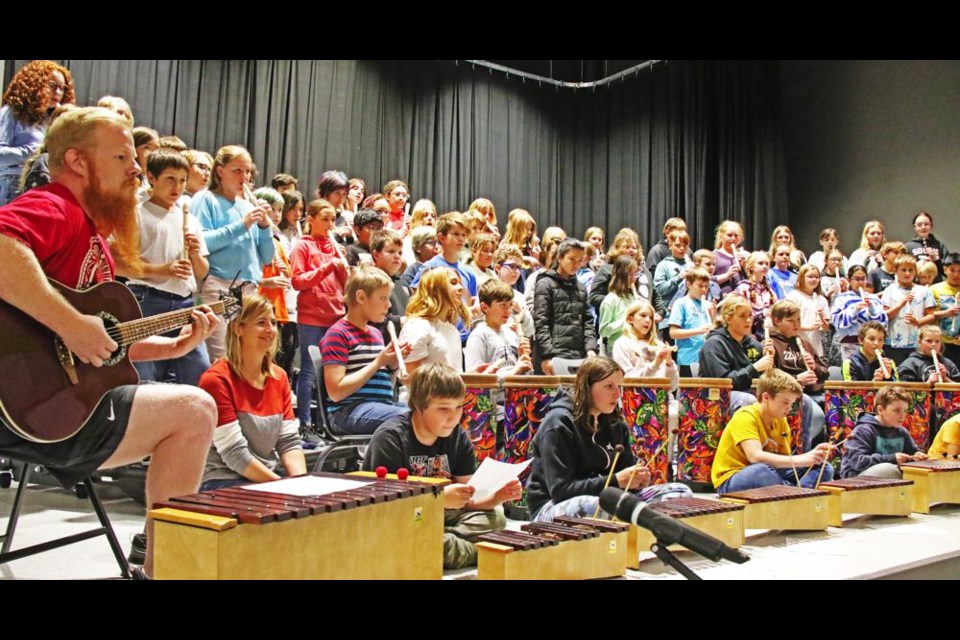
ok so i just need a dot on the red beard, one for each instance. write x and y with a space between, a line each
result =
115 216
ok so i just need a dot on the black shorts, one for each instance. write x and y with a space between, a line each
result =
76 458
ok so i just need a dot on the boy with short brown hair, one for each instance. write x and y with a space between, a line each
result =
754 450
878 442
429 442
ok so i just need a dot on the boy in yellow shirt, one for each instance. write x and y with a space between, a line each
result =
947 442
754 450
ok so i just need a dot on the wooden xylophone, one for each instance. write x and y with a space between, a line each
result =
868 496
937 481
722 520
566 549
241 534
783 507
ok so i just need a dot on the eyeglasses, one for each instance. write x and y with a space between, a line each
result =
56 86
376 226
859 279
513 266
402 196
202 167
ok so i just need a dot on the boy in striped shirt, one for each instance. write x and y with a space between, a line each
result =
357 367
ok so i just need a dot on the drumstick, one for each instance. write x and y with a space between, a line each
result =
827 459
401 365
883 364
613 465
655 453
786 434
936 363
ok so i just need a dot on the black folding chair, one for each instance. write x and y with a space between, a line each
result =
340 440
105 528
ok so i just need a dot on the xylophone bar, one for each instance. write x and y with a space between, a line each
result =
782 507
722 520
578 551
868 496
518 540
560 531
599 525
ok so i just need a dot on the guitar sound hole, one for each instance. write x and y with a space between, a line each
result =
110 321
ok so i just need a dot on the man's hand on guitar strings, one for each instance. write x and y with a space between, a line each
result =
204 323
89 341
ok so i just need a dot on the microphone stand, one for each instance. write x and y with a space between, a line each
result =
666 556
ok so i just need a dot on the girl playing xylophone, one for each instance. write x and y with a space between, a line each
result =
576 450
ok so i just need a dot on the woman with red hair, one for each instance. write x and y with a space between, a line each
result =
36 90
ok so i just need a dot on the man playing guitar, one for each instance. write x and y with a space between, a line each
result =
58 231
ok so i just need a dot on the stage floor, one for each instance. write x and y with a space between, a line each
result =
921 546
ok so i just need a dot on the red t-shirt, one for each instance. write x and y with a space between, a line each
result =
51 222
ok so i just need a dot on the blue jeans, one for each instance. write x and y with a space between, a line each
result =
186 369
309 335
9 187
364 417
763 475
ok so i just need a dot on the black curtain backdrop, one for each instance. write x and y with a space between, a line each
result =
699 139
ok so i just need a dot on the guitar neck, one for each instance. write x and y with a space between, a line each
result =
136 330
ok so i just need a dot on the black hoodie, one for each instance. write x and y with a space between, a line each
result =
871 443
929 249
568 462
724 357
918 368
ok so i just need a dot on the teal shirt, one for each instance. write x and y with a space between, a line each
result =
233 247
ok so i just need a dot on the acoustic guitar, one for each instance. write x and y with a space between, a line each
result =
46 394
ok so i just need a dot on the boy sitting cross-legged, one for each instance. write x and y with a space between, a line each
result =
754 450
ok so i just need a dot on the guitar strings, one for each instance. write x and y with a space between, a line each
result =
131 331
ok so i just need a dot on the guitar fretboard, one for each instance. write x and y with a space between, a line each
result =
126 333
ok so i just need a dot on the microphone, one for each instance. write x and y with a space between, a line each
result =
632 509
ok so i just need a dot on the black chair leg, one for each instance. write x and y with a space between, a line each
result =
15 510
108 529
105 529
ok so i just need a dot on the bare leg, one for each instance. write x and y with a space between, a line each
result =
173 424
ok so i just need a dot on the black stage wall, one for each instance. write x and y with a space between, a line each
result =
700 139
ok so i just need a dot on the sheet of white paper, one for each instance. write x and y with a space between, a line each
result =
492 475
307 485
